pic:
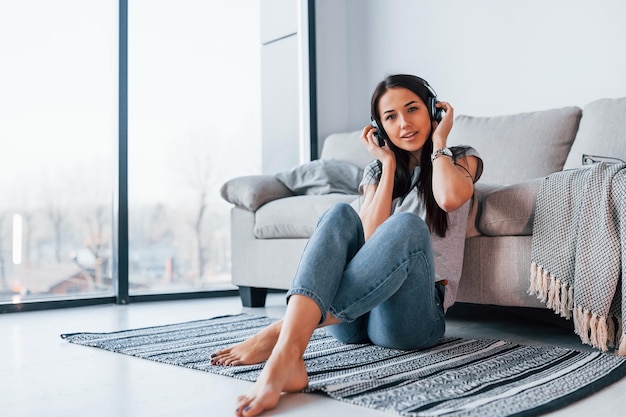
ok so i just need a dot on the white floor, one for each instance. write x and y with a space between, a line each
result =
43 375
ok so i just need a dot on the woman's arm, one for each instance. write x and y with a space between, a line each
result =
453 183
376 206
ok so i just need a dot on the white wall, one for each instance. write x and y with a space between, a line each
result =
486 57
280 85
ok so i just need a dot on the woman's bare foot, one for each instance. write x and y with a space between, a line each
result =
285 371
256 349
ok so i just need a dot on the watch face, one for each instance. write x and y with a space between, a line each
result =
442 151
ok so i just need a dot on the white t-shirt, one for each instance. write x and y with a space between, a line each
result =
448 251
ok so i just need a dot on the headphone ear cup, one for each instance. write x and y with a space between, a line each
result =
437 113
379 130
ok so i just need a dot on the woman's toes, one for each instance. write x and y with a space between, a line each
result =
251 410
220 353
222 359
243 404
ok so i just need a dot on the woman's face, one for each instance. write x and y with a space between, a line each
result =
405 119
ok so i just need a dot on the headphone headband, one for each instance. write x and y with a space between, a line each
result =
430 89
435 112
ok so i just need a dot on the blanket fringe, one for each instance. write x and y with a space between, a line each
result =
620 338
621 351
597 331
612 332
532 289
557 295
594 330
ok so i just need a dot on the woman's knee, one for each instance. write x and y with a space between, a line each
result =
408 221
411 227
342 209
340 213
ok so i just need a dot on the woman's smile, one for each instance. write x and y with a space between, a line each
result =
409 136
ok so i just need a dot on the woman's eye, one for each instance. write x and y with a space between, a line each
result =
412 109
390 117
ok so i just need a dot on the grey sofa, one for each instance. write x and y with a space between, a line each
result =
271 220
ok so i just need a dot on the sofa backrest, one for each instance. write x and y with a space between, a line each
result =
523 146
346 147
602 132
519 147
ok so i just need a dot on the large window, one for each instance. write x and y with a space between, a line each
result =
193 123
58 124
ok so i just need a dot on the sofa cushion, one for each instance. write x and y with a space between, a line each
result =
601 132
322 176
519 147
294 217
347 147
252 191
509 211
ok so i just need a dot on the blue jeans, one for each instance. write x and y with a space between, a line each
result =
382 290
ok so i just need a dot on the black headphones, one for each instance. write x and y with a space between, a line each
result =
431 101
435 112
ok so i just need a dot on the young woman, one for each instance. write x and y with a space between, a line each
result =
370 277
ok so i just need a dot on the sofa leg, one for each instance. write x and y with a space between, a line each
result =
252 296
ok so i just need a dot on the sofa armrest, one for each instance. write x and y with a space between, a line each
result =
252 191
481 190
510 210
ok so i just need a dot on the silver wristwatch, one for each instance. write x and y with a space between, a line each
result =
441 152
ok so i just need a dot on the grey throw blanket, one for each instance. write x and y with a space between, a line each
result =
578 255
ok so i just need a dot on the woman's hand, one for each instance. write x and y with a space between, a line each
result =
376 204
383 153
442 129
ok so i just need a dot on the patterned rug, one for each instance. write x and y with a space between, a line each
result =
458 377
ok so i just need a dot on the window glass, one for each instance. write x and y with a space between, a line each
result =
58 124
194 123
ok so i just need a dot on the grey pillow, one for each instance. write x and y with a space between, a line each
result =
346 147
252 191
519 147
601 131
322 176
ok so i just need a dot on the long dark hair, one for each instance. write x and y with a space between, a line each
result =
436 217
